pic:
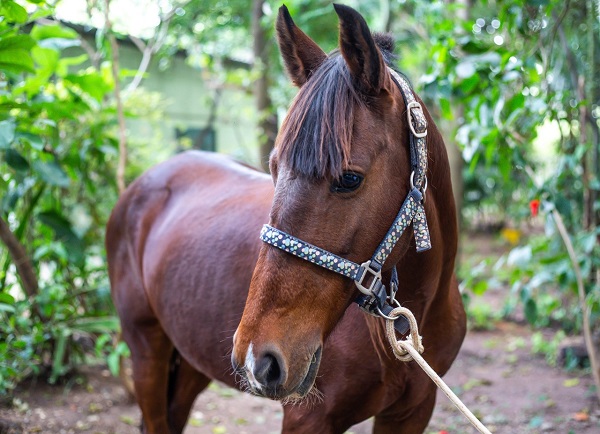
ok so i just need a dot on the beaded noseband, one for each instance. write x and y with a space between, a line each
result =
367 276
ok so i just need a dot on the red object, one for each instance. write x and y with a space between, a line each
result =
443 432
534 207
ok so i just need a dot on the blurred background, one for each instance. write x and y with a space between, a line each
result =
92 93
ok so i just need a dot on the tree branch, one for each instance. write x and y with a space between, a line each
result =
593 352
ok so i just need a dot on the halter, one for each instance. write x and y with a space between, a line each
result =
367 276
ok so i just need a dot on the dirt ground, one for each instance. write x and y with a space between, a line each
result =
496 374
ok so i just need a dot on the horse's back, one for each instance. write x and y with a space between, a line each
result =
187 229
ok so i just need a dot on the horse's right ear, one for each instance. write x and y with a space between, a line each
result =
301 55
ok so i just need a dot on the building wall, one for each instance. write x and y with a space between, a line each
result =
181 99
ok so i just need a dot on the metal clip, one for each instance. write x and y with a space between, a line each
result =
376 279
423 188
416 105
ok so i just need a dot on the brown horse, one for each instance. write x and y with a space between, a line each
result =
183 241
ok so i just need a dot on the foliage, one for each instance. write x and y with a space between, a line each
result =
511 78
56 188
514 78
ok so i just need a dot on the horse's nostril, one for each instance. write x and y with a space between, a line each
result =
268 371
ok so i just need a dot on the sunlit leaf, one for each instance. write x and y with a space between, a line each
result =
91 83
16 60
40 32
13 12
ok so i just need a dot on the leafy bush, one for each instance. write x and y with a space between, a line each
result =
57 158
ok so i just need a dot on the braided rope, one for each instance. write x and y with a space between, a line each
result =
411 349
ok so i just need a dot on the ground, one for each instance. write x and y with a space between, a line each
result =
497 375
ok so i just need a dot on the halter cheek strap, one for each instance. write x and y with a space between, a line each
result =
367 276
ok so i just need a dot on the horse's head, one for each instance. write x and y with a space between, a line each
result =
341 169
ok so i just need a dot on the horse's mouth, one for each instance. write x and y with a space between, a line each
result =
300 391
309 380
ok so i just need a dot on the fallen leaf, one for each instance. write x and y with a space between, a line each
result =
581 416
571 382
128 420
195 422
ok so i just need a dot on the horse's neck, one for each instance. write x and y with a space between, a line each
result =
390 367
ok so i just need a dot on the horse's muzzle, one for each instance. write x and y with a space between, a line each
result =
267 375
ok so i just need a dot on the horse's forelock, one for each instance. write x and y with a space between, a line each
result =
315 137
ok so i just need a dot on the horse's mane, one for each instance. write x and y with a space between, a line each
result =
315 137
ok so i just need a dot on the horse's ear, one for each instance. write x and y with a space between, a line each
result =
360 51
301 55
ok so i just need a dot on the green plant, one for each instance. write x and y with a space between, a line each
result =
57 158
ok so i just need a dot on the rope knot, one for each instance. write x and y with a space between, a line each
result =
413 339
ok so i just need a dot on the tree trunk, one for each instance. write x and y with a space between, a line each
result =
20 258
114 49
267 118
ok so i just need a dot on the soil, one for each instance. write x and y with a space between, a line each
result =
496 374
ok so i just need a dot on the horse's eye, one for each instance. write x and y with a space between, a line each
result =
348 182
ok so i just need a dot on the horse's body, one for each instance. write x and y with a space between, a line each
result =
182 244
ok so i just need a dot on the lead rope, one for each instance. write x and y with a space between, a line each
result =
410 348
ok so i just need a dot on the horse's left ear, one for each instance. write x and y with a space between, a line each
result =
301 55
360 52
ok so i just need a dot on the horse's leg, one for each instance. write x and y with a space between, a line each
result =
397 419
312 419
150 355
184 386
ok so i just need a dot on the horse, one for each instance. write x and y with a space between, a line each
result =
188 271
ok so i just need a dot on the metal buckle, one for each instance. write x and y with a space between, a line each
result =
376 278
411 105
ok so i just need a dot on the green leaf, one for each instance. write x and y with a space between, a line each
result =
41 32
58 367
16 60
34 140
6 308
96 324
474 47
516 102
468 84
7 133
46 58
13 12
446 109
531 311
51 173
113 363
6 298
91 83
64 233
24 42
480 287
16 161
66 62
60 225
